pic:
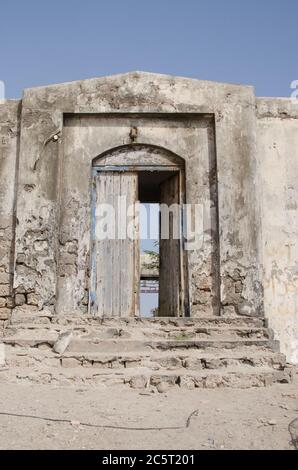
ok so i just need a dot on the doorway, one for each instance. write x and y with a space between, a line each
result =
121 283
149 259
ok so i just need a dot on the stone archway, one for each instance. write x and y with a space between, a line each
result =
132 174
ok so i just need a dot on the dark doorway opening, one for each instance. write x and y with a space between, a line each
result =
161 254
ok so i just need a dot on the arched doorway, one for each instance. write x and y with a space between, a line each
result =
122 178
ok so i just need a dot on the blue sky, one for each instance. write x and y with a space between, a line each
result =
250 42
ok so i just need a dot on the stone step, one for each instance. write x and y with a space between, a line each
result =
163 332
23 317
190 360
186 352
79 345
144 378
125 345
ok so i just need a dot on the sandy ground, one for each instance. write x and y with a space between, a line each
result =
225 418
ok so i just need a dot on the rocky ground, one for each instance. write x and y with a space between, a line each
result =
34 416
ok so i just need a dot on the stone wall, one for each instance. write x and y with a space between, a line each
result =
84 139
278 192
241 159
231 175
9 141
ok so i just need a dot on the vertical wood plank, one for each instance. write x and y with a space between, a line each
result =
170 268
117 273
183 254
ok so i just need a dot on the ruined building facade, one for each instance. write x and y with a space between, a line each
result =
65 147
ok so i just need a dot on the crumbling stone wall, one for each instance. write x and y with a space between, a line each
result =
9 141
241 162
192 138
204 262
228 278
37 209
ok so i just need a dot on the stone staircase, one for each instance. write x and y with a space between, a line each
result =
144 353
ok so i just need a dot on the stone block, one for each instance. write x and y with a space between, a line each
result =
4 290
139 381
162 387
32 299
228 311
70 362
20 299
171 363
5 313
193 363
9 302
187 382
4 277
212 364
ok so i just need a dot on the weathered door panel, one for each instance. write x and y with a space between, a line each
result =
170 252
184 280
115 259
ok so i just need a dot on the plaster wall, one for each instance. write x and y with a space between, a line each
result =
9 139
84 138
42 181
278 191
241 163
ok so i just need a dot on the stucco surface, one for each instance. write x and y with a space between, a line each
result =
278 170
41 158
241 163
192 138
9 138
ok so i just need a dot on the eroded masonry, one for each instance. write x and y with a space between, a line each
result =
152 139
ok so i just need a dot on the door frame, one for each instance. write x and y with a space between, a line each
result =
184 310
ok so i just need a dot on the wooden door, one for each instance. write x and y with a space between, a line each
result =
115 261
170 298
